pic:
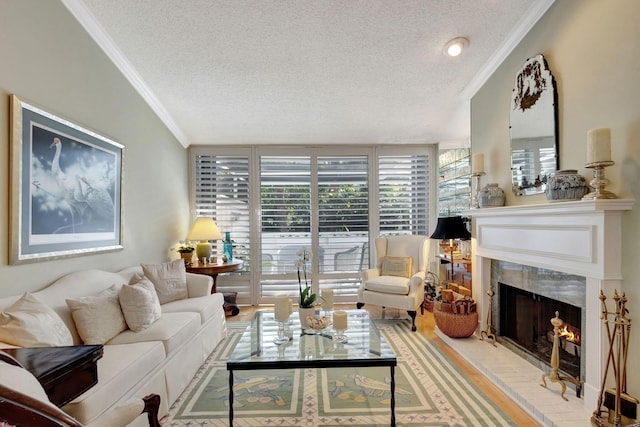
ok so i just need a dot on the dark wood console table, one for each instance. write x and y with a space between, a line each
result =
212 270
64 372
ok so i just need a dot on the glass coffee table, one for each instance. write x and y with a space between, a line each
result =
365 347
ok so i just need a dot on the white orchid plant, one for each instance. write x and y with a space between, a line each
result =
307 297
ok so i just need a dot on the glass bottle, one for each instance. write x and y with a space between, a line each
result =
228 246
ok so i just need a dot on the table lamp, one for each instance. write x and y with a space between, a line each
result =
204 229
451 227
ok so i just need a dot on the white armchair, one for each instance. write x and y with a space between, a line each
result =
397 281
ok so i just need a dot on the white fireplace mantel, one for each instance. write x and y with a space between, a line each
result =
578 237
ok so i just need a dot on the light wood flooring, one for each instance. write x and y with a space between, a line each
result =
426 325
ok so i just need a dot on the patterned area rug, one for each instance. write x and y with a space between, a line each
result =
429 391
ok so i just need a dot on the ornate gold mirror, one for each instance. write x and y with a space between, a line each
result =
534 127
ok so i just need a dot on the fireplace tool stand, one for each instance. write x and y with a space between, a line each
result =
554 376
489 331
616 408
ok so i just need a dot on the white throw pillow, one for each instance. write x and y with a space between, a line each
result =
98 318
169 279
31 323
139 303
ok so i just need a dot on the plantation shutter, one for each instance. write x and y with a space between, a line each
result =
403 194
221 191
285 207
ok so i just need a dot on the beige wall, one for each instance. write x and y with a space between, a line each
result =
591 48
50 61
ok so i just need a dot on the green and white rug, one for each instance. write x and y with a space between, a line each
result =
429 391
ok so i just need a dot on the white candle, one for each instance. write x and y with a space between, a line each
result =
282 308
327 299
477 163
599 145
340 320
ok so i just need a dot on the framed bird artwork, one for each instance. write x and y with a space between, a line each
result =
66 189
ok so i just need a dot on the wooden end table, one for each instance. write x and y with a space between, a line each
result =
212 270
64 372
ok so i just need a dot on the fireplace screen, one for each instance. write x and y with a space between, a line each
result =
525 319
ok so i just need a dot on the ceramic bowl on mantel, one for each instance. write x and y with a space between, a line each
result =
565 185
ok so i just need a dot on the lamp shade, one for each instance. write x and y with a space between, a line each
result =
451 227
204 229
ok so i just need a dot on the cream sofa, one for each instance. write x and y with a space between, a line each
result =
160 359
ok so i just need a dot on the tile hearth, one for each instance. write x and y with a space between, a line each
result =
520 380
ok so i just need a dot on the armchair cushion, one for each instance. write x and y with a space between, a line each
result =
396 266
31 323
389 285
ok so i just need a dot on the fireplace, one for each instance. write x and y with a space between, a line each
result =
568 252
525 325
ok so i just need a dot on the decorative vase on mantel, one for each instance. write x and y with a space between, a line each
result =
566 185
490 196
303 313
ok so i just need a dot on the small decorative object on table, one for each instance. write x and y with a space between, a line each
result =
340 325
307 297
186 253
327 300
490 196
228 247
282 311
316 324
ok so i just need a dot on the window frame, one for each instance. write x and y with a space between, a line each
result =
241 282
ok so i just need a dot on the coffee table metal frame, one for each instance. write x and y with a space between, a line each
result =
256 350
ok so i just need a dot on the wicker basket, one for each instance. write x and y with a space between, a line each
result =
456 325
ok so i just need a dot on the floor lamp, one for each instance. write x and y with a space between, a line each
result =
451 227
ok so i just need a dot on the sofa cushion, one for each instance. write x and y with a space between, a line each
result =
98 318
31 323
388 285
121 369
396 266
206 307
139 303
169 279
172 329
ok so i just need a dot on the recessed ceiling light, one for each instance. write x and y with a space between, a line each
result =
454 47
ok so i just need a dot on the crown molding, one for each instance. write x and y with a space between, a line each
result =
520 31
100 36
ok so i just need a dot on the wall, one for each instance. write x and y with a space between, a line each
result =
591 49
50 61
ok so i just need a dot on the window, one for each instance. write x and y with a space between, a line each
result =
220 190
330 200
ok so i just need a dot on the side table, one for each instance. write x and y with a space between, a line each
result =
64 372
212 270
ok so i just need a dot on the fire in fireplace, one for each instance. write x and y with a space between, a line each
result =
525 320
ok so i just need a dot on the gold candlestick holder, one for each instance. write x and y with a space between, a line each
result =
599 182
476 183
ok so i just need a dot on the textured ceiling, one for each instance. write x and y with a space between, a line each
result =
308 71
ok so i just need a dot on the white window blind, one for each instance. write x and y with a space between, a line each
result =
403 194
221 191
330 200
